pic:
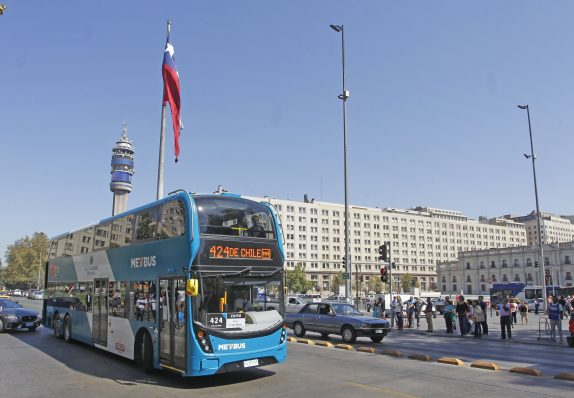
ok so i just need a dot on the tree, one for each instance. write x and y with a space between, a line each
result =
375 284
26 258
296 281
336 282
406 281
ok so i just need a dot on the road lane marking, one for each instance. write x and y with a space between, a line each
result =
387 391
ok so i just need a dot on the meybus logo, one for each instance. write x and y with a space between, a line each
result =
143 262
234 346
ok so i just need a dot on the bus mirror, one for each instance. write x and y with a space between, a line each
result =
192 287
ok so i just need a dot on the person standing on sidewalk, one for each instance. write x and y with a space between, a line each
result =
513 311
484 325
461 311
523 308
554 311
536 306
478 317
448 312
418 309
505 321
428 315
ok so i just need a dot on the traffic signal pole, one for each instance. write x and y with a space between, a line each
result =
388 244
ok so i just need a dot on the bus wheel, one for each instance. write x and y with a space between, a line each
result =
56 325
67 329
147 353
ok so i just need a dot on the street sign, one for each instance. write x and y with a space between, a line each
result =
345 275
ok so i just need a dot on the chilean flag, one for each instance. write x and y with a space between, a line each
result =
171 92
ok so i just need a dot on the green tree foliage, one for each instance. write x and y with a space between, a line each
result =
336 282
26 259
375 284
296 281
406 281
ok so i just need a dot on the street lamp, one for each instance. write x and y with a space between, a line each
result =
540 242
344 96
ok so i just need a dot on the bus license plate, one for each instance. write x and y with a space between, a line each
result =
250 363
378 330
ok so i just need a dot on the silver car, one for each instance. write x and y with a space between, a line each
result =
294 304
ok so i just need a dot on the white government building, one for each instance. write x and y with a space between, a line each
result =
421 238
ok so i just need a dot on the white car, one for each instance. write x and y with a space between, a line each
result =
17 292
294 304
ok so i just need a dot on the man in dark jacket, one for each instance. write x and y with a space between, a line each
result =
461 311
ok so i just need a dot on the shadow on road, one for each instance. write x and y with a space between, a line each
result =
94 362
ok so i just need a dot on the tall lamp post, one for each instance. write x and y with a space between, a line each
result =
540 242
344 96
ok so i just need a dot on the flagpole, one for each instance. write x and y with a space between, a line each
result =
161 144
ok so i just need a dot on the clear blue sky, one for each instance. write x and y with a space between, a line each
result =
432 118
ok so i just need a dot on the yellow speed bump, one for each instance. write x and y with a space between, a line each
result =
565 376
344 346
292 339
367 349
305 341
450 361
526 371
485 365
393 353
323 343
421 357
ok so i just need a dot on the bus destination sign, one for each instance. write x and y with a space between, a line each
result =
247 253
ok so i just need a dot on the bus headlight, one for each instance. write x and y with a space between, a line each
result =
204 342
283 333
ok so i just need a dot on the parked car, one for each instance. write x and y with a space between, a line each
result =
14 316
337 318
36 295
294 304
17 292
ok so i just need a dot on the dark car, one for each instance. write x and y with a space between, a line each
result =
337 318
14 316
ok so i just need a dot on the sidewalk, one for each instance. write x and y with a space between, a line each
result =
521 333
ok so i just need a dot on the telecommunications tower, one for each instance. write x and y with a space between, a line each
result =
122 172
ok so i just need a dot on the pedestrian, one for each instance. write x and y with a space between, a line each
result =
410 312
536 306
513 311
418 309
470 316
461 311
562 302
523 309
484 325
554 310
478 317
448 312
398 310
428 315
505 321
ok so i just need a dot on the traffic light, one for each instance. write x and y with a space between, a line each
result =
536 264
547 277
384 256
344 261
384 278
394 265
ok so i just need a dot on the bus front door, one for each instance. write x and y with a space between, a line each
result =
100 312
172 324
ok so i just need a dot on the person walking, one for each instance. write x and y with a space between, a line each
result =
523 309
398 311
536 306
448 312
554 311
513 311
461 311
505 322
478 317
418 309
428 315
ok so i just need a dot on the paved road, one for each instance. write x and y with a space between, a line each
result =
38 365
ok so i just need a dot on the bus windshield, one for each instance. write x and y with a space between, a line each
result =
234 216
240 302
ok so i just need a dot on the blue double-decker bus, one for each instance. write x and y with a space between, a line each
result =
190 283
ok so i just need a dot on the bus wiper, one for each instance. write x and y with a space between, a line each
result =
244 271
272 273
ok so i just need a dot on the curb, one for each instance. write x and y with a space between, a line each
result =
344 346
420 357
450 361
485 365
565 376
526 371
324 343
393 353
292 339
305 341
370 350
